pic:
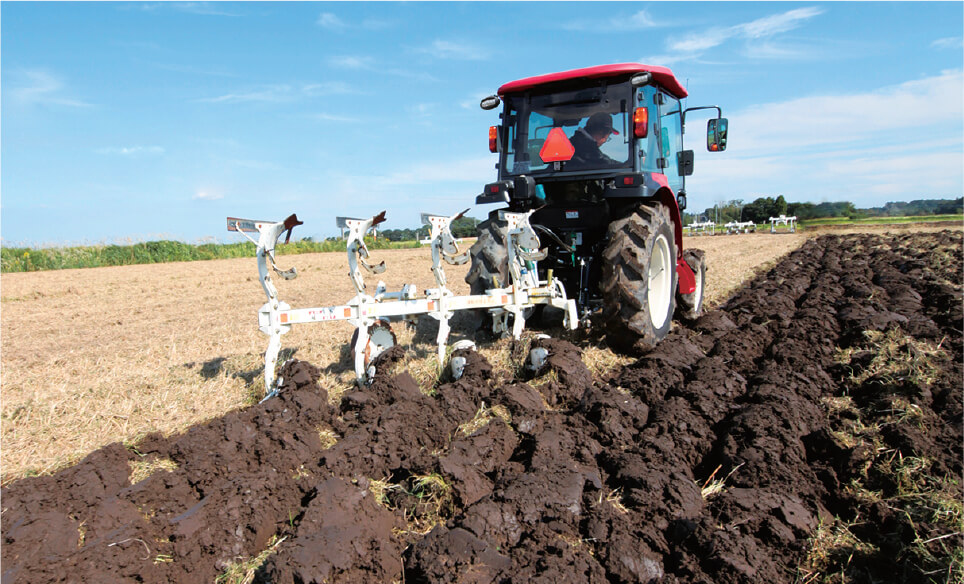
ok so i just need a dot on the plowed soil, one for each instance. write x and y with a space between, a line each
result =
551 476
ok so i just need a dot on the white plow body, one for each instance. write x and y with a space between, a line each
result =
366 311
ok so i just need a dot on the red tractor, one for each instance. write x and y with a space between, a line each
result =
598 154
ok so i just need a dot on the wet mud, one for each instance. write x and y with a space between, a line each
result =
711 458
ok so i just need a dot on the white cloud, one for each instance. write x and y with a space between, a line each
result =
330 21
472 171
36 87
283 93
640 20
421 109
376 24
777 23
897 143
818 121
207 196
351 62
325 117
272 93
949 43
327 88
702 41
442 49
366 63
476 171
203 8
695 44
132 150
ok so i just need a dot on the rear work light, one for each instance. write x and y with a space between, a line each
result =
641 122
493 138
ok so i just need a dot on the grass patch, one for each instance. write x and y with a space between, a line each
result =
924 506
714 486
833 547
243 571
615 499
327 436
380 488
142 469
897 357
881 220
482 417
600 360
27 259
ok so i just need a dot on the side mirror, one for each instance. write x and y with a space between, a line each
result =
490 102
716 135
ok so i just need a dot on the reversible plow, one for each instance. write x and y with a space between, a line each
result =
372 312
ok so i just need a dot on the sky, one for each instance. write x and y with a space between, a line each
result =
128 122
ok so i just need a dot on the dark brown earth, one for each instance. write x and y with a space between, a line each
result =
573 479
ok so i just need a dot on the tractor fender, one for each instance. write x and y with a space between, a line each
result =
687 279
665 194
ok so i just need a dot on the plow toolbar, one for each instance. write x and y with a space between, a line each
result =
372 312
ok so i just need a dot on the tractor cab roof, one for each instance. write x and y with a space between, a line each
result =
663 76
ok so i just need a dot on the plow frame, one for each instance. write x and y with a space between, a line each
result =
365 311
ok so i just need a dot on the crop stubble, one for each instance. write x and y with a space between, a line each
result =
104 354
572 478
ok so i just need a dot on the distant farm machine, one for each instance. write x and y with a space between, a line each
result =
591 176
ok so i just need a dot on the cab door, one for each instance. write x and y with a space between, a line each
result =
670 139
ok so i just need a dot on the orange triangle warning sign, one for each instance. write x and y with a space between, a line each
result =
557 147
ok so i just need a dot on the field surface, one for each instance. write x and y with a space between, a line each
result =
810 425
99 355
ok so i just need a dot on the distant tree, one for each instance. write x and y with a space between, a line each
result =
759 211
802 211
780 206
465 227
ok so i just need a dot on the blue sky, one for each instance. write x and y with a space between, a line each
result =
137 121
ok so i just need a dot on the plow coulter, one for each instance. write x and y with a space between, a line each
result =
372 312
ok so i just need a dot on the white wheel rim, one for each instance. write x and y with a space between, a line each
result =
660 284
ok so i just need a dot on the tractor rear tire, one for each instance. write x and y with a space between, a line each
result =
490 256
639 278
690 306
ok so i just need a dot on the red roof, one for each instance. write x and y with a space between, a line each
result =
663 76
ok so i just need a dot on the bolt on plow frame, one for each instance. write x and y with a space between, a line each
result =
371 313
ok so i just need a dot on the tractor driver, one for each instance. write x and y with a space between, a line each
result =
588 139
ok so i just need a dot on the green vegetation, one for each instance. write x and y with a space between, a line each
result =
761 209
461 227
882 220
20 259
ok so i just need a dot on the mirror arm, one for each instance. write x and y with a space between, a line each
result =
719 112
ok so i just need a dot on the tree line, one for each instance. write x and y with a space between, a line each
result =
761 209
461 227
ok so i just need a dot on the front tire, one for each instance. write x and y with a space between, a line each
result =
639 278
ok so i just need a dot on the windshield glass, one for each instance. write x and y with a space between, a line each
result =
595 124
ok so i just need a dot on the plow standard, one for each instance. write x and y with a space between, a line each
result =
372 313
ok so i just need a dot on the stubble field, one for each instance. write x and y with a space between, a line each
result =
808 429
105 354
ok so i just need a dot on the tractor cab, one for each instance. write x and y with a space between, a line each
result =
615 125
